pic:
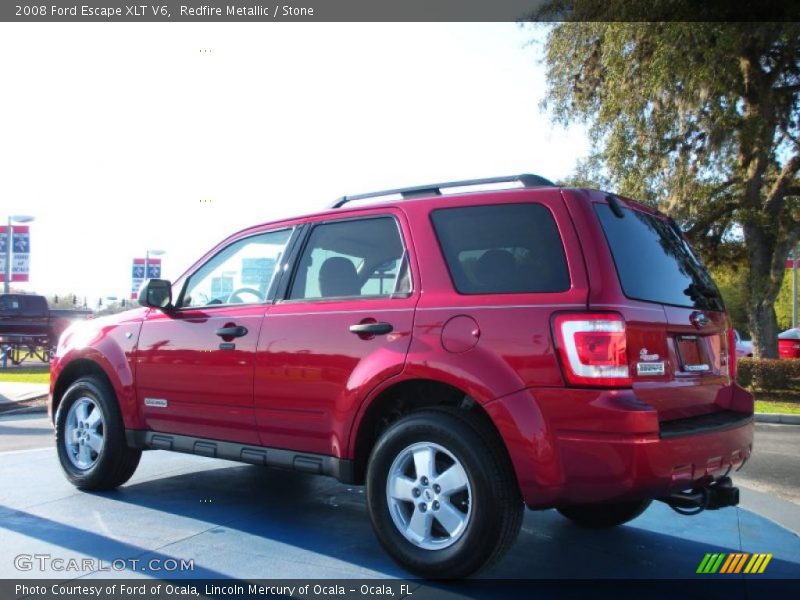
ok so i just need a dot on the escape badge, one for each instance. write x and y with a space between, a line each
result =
649 364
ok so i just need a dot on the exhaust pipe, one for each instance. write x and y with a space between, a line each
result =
715 495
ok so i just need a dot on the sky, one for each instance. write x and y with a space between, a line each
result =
124 137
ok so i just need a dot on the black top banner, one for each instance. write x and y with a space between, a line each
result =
398 10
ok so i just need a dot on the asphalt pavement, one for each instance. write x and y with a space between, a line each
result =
12 392
774 467
247 522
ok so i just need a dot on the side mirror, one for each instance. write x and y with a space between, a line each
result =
156 293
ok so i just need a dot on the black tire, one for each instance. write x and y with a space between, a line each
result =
604 516
495 506
115 463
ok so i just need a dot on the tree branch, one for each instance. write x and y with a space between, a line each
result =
794 138
776 195
791 89
701 225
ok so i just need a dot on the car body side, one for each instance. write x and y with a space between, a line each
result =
494 353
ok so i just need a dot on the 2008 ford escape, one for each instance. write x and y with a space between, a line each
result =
464 355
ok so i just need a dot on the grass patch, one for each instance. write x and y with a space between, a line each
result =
26 374
769 406
786 396
785 402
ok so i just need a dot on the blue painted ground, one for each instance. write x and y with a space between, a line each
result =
248 522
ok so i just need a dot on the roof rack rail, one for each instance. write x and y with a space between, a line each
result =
435 189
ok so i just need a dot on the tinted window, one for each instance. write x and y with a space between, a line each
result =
34 306
790 334
358 258
654 263
9 303
502 249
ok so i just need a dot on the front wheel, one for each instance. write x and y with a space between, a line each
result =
90 437
604 516
442 494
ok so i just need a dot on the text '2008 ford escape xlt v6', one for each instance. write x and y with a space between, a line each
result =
463 355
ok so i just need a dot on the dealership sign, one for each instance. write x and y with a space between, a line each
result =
20 253
138 275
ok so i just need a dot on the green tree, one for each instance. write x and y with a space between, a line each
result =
701 119
112 307
65 301
732 282
783 303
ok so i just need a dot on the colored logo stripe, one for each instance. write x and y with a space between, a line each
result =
710 563
758 563
734 563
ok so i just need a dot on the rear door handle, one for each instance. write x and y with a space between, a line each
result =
232 331
371 328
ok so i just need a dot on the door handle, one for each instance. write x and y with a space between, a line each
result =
232 331
371 328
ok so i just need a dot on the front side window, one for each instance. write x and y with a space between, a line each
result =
502 249
242 273
352 259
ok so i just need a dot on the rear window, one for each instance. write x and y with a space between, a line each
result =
502 249
654 263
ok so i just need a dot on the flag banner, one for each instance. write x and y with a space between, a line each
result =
137 273
20 252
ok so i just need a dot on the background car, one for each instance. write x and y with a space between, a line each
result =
789 343
743 347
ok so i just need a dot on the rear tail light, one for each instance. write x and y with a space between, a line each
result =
731 354
593 349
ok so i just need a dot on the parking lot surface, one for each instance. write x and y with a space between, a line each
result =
241 521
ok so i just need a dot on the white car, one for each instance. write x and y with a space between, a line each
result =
743 347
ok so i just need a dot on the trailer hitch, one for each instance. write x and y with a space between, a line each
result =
715 495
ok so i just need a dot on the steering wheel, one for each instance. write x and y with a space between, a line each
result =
234 297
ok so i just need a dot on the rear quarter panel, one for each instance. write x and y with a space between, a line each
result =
489 345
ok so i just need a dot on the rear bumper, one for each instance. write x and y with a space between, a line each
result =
584 446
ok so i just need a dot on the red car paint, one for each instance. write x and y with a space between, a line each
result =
301 381
789 343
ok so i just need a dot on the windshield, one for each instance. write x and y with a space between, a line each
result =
654 262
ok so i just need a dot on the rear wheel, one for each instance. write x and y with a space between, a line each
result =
442 495
90 437
604 516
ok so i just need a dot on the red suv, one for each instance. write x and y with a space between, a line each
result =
462 352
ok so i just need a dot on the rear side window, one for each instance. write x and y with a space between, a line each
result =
362 258
34 306
654 262
502 249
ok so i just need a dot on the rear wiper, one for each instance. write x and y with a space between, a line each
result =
697 290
